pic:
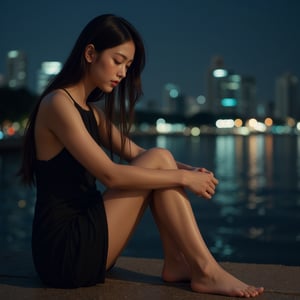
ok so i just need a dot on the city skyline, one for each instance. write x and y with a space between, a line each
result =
254 38
231 101
229 94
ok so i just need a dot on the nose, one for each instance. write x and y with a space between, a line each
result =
122 71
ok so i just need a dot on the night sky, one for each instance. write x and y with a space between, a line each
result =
259 38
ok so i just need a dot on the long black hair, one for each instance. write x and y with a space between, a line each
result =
104 32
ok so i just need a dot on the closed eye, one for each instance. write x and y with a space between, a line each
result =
117 62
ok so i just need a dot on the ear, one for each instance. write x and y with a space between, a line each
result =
90 53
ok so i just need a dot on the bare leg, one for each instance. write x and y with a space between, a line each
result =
179 231
123 210
206 274
175 268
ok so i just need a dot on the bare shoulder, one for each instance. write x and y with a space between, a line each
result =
56 99
52 116
58 111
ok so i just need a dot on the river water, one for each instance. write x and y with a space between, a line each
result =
254 216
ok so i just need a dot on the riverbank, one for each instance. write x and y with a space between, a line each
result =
15 142
139 278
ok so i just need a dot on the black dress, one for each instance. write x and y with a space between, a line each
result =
69 235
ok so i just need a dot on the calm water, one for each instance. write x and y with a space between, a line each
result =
254 216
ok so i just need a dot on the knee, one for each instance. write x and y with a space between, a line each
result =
163 158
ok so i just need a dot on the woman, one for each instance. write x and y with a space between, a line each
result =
78 233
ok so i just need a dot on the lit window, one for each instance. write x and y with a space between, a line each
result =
228 102
173 93
218 73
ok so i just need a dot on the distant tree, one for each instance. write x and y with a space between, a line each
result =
201 118
151 117
15 104
146 117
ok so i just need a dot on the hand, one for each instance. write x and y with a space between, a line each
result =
201 169
202 182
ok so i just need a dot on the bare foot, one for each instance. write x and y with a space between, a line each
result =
218 281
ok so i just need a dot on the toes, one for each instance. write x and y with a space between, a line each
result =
260 290
252 291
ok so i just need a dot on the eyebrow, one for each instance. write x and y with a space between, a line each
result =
124 56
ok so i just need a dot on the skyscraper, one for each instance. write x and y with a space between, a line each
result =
16 69
287 97
248 101
46 73
224 89
173 100
217 63
230 94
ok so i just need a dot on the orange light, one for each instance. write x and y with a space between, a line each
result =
10 131
268 122
238 123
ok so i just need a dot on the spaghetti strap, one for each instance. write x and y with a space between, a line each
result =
75 103
69 95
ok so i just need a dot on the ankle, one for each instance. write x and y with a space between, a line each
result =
204 268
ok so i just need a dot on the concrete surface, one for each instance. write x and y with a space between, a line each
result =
138 278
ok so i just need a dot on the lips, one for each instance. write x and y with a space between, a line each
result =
114 83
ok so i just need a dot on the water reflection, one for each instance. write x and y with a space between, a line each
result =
16 205
161 141
298 162
255 211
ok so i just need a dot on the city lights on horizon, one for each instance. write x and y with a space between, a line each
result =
228 94
222 126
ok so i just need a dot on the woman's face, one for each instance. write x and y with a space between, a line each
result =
109 67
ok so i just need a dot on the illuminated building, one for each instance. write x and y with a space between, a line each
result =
46 73
287 97
172 100
16 69
248 101
229 93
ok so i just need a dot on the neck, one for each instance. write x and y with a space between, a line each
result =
80 93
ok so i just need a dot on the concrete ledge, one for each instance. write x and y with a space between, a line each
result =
139 278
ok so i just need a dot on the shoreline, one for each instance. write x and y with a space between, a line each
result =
15 142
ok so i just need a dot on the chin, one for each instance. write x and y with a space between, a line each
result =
106 89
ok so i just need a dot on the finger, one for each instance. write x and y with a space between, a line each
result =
212 186
215 180
211 191
206 195
203 170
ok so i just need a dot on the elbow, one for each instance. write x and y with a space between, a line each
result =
110 178
109 182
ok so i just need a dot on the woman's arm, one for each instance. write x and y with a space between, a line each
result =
183 166
64 121
131 150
